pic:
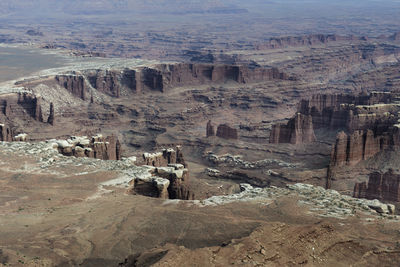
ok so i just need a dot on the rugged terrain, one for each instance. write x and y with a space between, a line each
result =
152 142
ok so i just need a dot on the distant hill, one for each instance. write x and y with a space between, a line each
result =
87 7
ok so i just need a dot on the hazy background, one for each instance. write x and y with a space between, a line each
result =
134 27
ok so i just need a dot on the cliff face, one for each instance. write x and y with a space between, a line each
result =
227 132
210 129
333 112
74 84
381 186
31 104
298 130
5 133
162 77
345 111
350 149
306 40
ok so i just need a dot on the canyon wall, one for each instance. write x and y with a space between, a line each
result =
5 133
350 149
349 112
337 112
298 130
22 106
162 77
73 83
381 186
306 40
210 129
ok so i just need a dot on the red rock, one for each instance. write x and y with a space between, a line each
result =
179 178
306 40
360 190
225 131
50 119
99 147
74 84
381 186
31 104
167 156
210 129
6 133
298 130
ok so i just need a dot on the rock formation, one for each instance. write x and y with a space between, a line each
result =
32 105
99 147
210 129
298 130
360 145
226 132
50 119
5 133
162 77
74 84
167 156
360 190
381 186
350 112
306 40
168 164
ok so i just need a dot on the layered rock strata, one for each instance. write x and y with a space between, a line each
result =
347 112
210 129
298 130
23 105
338 112
99 147
350 149
381 186
165 157
306 40
226 132
168 165
5 133
162 77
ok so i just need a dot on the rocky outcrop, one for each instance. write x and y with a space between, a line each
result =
298 130
169 164
162 77
169 182
210 129
111 82
381 186
349 112
73 83
178 177
5 133
350 149
32 105
226 132
99 147
360 190
50 119
22 137
167 156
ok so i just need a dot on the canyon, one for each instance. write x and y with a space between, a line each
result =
169 133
